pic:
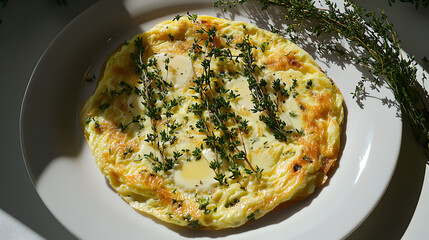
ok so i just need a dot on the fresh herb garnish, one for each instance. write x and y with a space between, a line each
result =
213 109
252 216
194 223
204 202
154 89
261 98
232 203
375 38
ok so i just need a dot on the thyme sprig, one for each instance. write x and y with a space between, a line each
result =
214 100
379 46
260 95
153 94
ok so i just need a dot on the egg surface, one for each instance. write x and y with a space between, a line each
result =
210 123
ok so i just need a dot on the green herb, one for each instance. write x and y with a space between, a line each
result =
258 172
170 36
194 223
213 109
296 167
252 216
192 17
204 202
96 123
178 202
263 46
309 84
235 171
138 119
306 158
373 35
232 203
197 153
177 17
155 90
259 90
127 151
300 131
89 120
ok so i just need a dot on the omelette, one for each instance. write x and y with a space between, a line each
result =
210 123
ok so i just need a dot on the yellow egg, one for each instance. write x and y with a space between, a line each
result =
212 123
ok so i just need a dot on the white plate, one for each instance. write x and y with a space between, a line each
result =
67 180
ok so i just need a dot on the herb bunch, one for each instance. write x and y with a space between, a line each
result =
260 95
158 106
380 50
215 100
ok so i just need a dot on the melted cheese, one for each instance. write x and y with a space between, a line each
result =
195 175
265 158
179 69
290 114
240 86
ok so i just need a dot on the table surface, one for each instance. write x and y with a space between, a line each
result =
30 25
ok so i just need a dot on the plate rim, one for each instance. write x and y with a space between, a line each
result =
84 14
